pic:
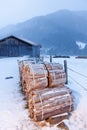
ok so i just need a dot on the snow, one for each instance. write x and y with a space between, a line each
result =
78 84
14 116
81 45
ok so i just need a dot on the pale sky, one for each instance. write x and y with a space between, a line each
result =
15 11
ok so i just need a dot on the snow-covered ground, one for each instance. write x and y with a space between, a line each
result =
77 81
14 116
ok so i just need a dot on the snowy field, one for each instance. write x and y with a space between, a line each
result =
14 116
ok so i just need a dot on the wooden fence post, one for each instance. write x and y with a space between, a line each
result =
42 58
65 69
50 59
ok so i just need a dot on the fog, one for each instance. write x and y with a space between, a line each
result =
15 11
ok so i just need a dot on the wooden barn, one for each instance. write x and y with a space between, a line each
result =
13 46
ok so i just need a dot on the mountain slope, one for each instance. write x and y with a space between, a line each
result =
57 32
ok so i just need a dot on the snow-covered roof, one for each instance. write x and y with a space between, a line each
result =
21 39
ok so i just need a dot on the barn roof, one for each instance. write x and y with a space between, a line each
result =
21 39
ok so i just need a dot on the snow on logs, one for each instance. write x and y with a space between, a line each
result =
46 94
34 76
56 74
49 102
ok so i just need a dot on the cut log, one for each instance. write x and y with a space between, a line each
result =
63 126
53 66
58 118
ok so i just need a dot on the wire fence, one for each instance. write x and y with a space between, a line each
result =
80 74
77 72
78 83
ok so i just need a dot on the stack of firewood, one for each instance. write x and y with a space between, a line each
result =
44 87
56 74
49 102
33 76
23 71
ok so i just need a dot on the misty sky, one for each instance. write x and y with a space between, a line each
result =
15 11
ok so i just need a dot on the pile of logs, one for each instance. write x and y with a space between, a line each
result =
49 102
33 76
45 90
56 74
